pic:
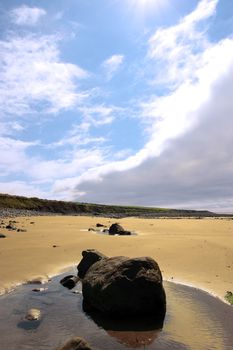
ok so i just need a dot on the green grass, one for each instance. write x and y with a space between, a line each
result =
62 207
229 297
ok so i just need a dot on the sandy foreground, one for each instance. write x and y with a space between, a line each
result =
190 251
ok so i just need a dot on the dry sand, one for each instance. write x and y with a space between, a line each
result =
191 251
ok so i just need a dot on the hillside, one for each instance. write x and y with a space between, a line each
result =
19 203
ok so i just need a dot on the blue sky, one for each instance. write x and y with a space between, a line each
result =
125 102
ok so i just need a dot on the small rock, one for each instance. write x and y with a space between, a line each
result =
33 315
117 229
37 280
2 235
39 289
100 225
21 230
69 281
11 227
32 222
76 343
77 291
91 229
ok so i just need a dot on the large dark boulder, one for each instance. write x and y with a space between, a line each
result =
121 286
90 256
76 343
117 229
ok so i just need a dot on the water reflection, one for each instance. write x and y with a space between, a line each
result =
131 332
194 321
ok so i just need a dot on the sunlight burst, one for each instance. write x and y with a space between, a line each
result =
146 5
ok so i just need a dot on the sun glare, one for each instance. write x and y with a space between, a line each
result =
148 4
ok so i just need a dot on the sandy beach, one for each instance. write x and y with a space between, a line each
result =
190 251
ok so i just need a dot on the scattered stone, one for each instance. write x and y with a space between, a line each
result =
69 281
100 225
21 230
117 229
76 343
76 291
121 286
38 280
55 246
90 256
2 235
33 315
32 222
11 227
39 289
91 229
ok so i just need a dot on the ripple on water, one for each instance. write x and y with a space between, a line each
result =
194 320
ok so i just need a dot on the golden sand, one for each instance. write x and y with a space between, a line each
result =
190 251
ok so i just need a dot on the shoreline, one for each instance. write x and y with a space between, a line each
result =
195 253
67 269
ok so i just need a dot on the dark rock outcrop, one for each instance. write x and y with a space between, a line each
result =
69 281
117 229
90 256
76 343
121 286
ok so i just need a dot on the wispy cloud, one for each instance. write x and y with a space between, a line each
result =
177 50
27 16
34 78
112 64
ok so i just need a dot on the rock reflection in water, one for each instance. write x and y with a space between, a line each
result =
131 332
194 320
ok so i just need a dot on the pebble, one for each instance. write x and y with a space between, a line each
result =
33 315
39 289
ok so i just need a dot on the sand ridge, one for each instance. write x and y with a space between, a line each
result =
189 251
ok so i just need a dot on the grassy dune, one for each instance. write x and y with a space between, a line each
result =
70 208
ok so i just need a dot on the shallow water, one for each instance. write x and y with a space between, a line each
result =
194 320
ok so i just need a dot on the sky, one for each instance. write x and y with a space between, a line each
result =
118 102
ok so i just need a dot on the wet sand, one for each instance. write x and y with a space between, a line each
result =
190 251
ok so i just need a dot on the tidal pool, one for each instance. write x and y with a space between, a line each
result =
194 320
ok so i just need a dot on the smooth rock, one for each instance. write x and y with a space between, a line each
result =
76 343
33 315
69 281
117 229
39 289
100 225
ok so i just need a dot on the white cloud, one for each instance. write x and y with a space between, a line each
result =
97 115
13 156
22 188
27 16
194 171
112 64
35 79
179 48
195 66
